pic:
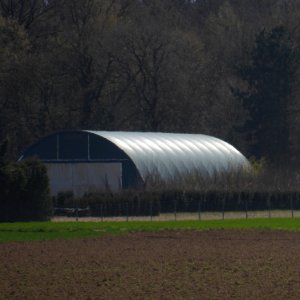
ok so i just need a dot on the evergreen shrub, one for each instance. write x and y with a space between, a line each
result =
24 190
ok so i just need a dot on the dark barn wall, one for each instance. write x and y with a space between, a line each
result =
85 147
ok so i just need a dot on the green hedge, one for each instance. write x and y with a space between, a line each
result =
145 203
24 191
128 203
228 201
125 203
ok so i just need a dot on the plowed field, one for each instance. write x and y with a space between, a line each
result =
215 264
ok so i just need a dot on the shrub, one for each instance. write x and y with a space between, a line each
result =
12 187
37 199
24 189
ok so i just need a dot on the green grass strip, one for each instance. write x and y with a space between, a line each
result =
65 230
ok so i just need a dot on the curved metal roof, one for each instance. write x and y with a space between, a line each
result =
172 154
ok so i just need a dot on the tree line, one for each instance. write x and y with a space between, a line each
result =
226 68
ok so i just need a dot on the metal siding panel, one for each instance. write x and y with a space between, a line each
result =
84 177
171 154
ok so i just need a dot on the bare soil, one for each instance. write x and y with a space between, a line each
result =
214 264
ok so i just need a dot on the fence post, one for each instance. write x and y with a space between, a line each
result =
199 209
175 209
269 204
223 207
151 210
246 205
291 204
159 207
126 211
101 211
76 210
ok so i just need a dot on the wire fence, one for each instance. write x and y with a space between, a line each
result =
181 209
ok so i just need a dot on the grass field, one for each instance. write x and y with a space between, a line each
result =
65 230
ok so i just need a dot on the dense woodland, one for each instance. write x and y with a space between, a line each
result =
227 68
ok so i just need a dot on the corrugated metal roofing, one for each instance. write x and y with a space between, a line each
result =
170 154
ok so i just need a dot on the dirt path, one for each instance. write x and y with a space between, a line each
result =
219 264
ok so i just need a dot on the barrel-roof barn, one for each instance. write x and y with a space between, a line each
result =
85 161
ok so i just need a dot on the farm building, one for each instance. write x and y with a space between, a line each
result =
86 161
